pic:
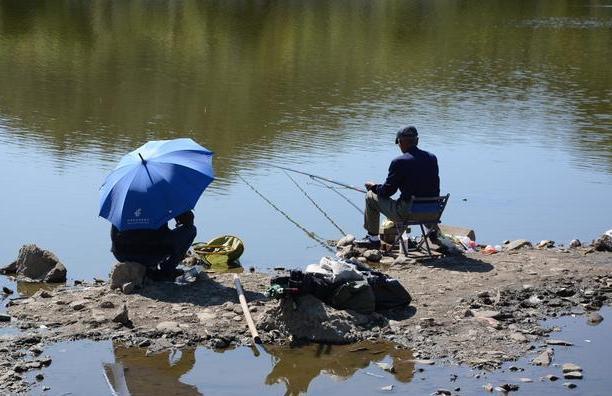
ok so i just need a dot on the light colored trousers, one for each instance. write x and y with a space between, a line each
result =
375 205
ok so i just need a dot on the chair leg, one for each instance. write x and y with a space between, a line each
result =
425 239
400 240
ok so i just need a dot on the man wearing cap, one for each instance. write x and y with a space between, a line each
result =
414 173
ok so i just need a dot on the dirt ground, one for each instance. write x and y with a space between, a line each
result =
475 309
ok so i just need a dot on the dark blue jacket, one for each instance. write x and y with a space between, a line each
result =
413 173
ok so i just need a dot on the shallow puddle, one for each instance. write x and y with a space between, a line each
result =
102 368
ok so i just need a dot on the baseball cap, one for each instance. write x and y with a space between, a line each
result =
408 131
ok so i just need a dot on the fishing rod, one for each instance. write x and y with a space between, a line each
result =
310 234
361 190
315 204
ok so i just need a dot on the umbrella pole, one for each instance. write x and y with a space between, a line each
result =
245 310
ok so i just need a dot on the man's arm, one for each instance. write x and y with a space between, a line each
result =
390 185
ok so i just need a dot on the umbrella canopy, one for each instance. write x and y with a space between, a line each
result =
155 183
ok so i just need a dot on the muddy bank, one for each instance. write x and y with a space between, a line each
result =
476 309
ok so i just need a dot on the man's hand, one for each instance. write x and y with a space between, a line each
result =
369 185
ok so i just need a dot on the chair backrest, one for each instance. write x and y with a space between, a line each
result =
427 209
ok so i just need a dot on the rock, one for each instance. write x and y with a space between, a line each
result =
573 375
546 244
144 343
6 290
387 367
543 359
426 362
107 304
488 387
526 380
387 388
569 367
128 288
569 385
574 243
39 377
57 274
565 292
78 305
559 342
518 337
46 388
372 255
487 314
35 263
42 294
594 318
551 377
403 260
9 269
348 252
4 318
346 241
518 244
508 388
603 243
457 231
169 327
444 392
310 320
126 272
122 316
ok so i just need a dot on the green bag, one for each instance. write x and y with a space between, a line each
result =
223 251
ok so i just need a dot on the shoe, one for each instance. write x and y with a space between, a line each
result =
369 241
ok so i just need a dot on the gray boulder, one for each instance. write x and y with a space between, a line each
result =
346 241
372 255
518 244
35 263
127 272
311 320
57 274
603 243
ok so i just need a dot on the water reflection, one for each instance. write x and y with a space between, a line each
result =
298 367
157 374
294 367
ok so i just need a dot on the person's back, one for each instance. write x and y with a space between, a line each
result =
147 247
418 171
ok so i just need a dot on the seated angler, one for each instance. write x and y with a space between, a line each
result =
414 173
160 250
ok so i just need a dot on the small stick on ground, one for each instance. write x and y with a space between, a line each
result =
245 310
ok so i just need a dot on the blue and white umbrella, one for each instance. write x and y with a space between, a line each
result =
155 183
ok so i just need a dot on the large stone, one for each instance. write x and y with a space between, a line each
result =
35 263
518 244
310 319
122 316
603 243
594 318
127 272
569 367
372 255
457 231
169 327
346 241
543 359
57 274
573 375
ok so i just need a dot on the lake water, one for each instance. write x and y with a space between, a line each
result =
513 97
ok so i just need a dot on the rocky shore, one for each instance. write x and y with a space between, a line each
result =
477 309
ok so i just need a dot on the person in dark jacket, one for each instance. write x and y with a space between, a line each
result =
414 173
159 250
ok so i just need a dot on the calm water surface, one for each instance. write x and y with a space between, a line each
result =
513 97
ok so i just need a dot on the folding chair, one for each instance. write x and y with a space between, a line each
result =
424 212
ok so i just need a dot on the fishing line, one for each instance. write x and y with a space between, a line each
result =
310 234
334 189
315 204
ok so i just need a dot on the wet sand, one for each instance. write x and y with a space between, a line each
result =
481 310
